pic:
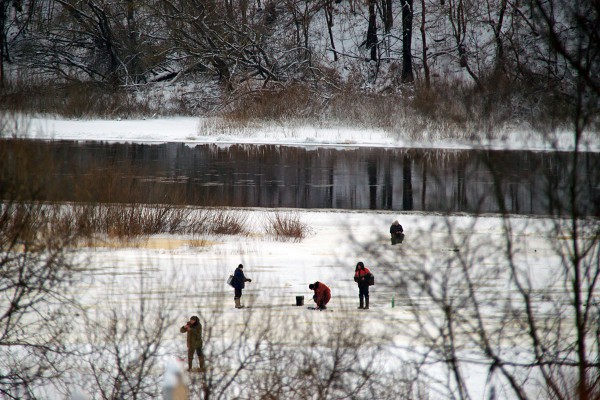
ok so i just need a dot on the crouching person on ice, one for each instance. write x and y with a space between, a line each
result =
322 294
239 282
396 232
193 328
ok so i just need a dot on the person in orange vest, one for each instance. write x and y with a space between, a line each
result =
322 294
361 275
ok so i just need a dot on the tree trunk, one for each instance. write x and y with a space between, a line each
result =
407 20
458 21
2 41
388 23
244 11
135 67
329 17
229 9
371 44
424 40
372 31
498 33
389 17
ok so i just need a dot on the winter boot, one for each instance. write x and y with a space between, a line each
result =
201 363
366 302
237 303
362 304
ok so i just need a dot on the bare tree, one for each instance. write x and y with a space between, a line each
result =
497 306
521 303
98 41
37 271
271 355
579 47
15 20
125 353
222 45
459 16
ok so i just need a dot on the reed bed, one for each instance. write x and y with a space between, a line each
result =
90 223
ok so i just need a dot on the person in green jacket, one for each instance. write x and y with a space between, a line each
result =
193 328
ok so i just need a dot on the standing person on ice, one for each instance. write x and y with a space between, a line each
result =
238 283
361 275
322 294
193 328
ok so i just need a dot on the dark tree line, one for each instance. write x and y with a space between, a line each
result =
277 42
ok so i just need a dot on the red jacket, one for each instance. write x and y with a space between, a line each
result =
322 294
360 275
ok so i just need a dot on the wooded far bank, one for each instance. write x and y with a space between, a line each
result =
459 63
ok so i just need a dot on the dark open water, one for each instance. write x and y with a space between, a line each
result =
519 182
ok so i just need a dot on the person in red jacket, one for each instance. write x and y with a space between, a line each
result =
322 294
361 274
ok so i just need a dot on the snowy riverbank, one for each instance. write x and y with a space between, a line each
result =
200 130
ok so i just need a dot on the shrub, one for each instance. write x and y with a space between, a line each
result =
286 226
290 103
222 222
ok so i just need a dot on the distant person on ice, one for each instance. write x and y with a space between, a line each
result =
238 283
361 276
322 294
193 328
396 232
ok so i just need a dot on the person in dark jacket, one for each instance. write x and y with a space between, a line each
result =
322 294
193 328
396 232
361 275
238 283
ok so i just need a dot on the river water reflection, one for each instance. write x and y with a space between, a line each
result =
431 180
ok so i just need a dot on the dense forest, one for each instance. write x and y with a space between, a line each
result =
457 60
